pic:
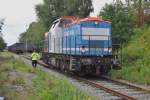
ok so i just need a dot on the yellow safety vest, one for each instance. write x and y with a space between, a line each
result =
34 56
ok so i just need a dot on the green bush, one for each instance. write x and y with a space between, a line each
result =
136 56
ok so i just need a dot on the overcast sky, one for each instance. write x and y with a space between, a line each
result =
19 14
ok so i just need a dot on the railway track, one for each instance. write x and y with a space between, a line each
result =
112 89
122 90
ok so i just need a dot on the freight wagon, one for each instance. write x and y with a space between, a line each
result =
21 48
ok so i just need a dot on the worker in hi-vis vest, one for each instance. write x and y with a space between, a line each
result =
34 58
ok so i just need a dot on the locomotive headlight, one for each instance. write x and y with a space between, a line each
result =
110 50
96 22
83 49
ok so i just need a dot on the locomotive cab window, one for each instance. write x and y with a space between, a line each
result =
63 23
55 23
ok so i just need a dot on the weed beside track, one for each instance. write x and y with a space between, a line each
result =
136 58
19 81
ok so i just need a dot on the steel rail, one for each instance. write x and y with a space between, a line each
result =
98 85
126 84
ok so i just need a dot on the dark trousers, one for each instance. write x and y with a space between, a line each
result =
34 63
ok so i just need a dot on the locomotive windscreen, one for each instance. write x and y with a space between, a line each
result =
95 33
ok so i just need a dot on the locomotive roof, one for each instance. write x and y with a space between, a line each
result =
82 19
74 20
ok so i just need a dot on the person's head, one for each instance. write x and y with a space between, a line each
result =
34 50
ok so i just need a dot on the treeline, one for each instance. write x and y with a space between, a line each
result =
125 16
2 42
135 53
34 34
51 10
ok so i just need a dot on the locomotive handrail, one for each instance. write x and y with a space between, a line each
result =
95 35
68 47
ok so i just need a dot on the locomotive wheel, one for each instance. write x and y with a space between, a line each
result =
67 66
105 69
62 66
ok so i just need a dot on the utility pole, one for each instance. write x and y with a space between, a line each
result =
26 47
26 41
140 13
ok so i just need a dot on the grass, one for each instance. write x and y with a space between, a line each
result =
44 86
49 88
136 56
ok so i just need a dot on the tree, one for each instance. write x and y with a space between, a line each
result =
54 9
141 10
121 20
118 2
2 43
1 24
34 35
50 11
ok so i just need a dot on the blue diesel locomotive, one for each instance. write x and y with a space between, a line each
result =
80 45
